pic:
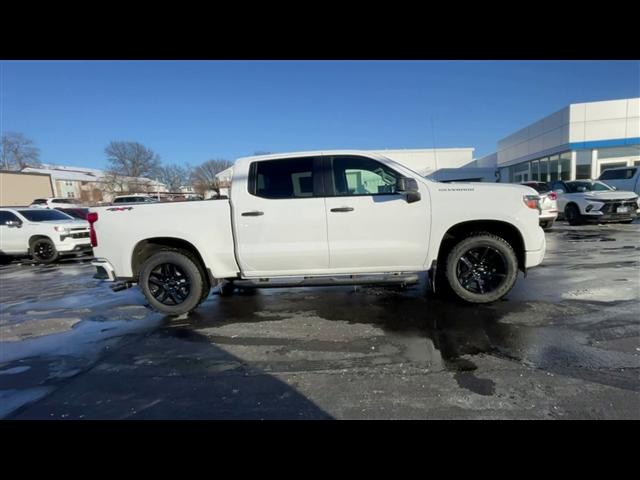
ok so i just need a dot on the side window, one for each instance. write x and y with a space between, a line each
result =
362 176
558 186
8 217
278 179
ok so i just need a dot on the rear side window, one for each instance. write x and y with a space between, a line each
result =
8 217
61 200
621 174
39 201
278 179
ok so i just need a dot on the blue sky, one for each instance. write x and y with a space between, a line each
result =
191 111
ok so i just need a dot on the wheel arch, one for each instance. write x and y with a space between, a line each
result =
509 232
34 238
147 247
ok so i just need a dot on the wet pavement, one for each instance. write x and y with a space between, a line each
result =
565 343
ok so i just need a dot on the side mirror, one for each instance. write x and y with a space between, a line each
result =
13 224
408 186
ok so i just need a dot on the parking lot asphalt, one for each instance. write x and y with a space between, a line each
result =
564 344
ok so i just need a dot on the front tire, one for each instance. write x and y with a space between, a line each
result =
573 215
173 282
43 250
482 268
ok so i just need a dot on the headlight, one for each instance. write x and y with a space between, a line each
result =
61 229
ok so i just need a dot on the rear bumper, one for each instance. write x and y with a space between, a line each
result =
104 270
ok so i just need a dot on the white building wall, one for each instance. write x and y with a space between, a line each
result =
428 160
614 119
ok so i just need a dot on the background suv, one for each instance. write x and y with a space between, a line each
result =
583 200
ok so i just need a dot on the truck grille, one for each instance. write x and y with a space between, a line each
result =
80 235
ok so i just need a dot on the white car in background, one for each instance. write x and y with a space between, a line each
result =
53 202
622 178
45 234
580 201
548 203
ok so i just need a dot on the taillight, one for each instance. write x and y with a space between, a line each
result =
92 218
532 201
552 196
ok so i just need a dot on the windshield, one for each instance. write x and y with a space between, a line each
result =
578 187
62 200
44 215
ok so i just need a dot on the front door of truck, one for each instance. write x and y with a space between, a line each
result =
279 218
371 226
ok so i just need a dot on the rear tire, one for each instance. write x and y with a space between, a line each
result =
43 250
482 268
573 215
173 282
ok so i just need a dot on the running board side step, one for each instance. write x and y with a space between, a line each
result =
388 279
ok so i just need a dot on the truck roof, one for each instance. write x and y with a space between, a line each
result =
308 153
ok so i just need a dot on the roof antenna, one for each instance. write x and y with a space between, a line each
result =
435 155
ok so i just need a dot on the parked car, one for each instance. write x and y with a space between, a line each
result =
322 218
548 203
580 201
80 213
134 198
622 178
53 202
45 234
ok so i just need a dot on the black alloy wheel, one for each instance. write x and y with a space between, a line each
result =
169 284
481 270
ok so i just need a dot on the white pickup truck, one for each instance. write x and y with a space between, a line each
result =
322 218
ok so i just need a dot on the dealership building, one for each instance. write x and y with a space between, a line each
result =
577 142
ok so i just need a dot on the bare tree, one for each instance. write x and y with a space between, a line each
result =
204 176
131 159
18 152
174 176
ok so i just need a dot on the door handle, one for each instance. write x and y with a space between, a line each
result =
255 213
342 209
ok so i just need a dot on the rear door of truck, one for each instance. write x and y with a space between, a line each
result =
279 218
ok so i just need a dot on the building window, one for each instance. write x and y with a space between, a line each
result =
583 164
544 169
618 152
553 167
535 170
565 166
70 195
